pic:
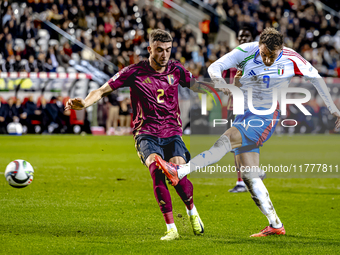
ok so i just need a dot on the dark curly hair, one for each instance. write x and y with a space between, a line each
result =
272 38
159 35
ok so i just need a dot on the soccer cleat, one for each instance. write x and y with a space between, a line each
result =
169 169
197 224
270 231
171 234
238 189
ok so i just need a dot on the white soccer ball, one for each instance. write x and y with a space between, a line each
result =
14 128
19 173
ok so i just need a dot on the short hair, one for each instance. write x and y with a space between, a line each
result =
247 28
272 38
159 35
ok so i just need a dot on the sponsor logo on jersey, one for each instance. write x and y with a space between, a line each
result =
266 69
147 80
280 69
171 79
251 73
311 68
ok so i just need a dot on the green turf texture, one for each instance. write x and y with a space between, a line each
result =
91 195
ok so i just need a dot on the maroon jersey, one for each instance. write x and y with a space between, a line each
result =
154 97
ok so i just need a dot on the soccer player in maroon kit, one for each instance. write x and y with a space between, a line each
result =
157 126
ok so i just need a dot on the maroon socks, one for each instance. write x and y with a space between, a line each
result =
162 193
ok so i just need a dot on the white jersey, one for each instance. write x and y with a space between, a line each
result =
262 79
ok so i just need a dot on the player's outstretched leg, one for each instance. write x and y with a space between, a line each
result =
176 172
163 198
185 190
240 185
169 169
260 195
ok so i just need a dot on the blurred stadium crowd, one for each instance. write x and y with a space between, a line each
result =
45 116
118 31
36 117
307 28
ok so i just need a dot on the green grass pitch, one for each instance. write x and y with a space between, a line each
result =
91 195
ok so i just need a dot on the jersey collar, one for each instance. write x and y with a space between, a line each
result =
149 66
260 61
280 55
257 61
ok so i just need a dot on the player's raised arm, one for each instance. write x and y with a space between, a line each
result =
93 97
120 79
311 74
322 89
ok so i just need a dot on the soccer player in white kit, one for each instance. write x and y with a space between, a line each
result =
266 64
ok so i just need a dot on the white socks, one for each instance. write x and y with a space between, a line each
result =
221 147
193 211
170 226
240 183
274 220
183 170
260 195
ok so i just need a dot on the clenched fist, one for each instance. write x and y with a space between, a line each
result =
75 104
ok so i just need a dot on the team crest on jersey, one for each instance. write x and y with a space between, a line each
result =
171 79
280 69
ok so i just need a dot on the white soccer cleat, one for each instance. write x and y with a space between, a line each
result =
170 235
